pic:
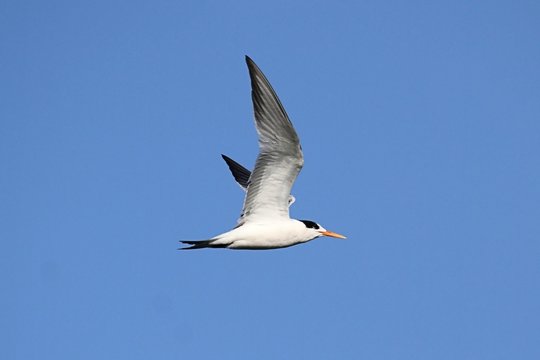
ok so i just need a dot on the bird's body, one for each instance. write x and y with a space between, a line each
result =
264 222
262 235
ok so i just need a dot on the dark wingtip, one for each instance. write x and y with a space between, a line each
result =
240 173
250 63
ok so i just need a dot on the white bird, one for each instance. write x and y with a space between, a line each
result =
264 222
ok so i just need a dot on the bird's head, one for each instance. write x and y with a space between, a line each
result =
318 230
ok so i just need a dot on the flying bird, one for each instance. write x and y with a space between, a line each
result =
264 222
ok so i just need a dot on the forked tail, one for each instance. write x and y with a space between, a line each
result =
201 244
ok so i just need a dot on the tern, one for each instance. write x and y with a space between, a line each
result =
264 222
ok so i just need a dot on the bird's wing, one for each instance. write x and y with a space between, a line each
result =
240 173
280 154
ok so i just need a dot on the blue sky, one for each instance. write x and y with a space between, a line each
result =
420 123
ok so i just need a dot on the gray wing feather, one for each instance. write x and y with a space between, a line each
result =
241 175
280 158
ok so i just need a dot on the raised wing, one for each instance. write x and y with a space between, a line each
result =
241 175
280 154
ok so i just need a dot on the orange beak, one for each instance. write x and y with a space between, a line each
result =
333 234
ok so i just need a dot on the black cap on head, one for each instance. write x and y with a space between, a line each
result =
310 224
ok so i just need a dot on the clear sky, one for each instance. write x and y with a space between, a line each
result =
420 123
